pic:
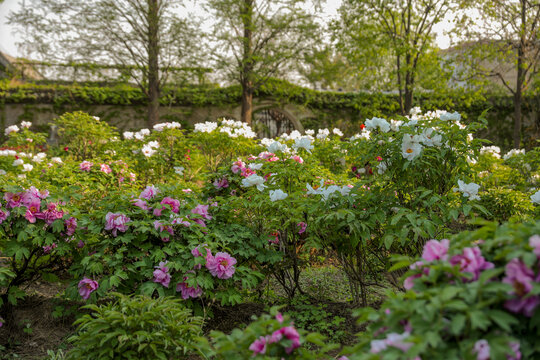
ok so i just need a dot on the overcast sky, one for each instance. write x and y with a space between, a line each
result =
8 39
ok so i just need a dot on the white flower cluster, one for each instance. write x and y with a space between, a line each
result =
411 146
295 134
322 134
167 125
139 135
365 134
535 198
10 129
26 124
237 128
376 122
468 190
39 157
325 192
513 152
150 148
206 127
493 150
303 142
276 146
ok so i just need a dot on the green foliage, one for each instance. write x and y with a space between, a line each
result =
136 328
450 308
236 345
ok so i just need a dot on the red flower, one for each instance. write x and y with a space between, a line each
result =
362 126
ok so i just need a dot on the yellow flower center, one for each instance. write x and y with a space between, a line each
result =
409 150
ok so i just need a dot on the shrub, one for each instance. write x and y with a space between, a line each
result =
478 292
135 328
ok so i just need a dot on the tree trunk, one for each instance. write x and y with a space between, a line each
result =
247 62
520 79
247 103
153 62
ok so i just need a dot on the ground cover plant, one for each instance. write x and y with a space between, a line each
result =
413 216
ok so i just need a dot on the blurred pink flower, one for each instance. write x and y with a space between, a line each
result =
86 165
259 345
115 222
436 250
289 333
188 291
86 287
201 210
149 192
105 168
238 166
472 261
221 183
481 349
302 225
71 226
161 274
534 242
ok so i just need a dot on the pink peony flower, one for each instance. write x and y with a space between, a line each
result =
71 226
201 210
149 192
298 159
86 165
481 349
220 265
115 222
259 345
279 317
87 287
173 203
246 172
303 226
238 166
289 333
516 354
471 261
161 228
188 291
105 168
436 250
141 204
50 214
3 215
521 278
48 248
161 274
13 199
534 242
265 155
221 183
180 221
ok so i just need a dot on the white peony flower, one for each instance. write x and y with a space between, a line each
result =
468 190
278 194
535 198
493 150
277 146
337 132
148 151
255 166
26 124
56 160
513 152
179 170
410 149
376 122
303 142
310 132
27 167
153 144
128 135
10 129
430 138
323 134
18 162
3 172
254 180
446 116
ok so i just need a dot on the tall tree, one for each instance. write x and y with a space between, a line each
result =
145 36
259 39
505 43
400 30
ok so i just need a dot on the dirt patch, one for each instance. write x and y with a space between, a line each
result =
226 318
34 329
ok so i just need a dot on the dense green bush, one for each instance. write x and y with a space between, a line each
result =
136 328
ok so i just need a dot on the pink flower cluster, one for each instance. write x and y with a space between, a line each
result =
393 340
31 199
86 165
259 346
188 291
522 279
483 351
221 183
